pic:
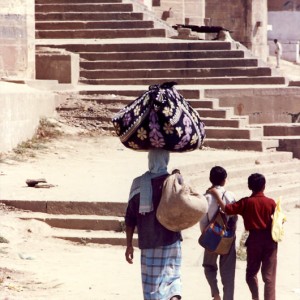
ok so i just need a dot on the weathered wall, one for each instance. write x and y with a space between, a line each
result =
262 105
282 22
21 108
247 19
17 53
228 14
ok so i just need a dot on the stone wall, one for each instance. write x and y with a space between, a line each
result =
21 108
262 105
17 53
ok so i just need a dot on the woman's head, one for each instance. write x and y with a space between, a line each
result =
256 182
158 160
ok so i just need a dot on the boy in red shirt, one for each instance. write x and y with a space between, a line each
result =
257 211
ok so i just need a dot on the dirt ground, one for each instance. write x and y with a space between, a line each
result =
36 266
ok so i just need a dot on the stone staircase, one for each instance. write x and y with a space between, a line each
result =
149 62
123 48
87 28
79 19
287 134
223 127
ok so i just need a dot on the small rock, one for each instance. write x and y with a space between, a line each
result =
3 240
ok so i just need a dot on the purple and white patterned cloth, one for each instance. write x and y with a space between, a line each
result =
160 119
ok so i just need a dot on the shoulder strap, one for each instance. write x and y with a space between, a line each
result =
217 211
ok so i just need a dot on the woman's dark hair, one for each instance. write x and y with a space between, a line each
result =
256 182
217 175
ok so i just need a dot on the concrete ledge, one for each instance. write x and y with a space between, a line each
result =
282 129
70 207
21 108
263 105
294 83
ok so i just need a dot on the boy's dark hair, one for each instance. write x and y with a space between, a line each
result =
256 182
217 175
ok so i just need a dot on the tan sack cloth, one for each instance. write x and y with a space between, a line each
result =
180 207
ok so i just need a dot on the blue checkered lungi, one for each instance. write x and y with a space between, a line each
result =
161 272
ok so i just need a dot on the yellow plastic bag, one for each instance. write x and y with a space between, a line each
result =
277 224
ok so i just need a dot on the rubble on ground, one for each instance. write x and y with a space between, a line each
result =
89 115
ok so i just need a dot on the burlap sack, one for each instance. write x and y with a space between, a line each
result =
180 207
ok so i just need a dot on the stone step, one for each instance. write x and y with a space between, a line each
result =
241 144
99 34
175 73
233 133
211 103
257 80
147 45
286 129
83 7
103 208
84 25
294 83
276 186
172 64
273 160
113 102
91 16
274 169
95 237
159 55
289 143
220 124
223 113
279 183
133 92
232 122
79 222
203 112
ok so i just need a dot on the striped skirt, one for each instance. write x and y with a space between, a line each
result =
161 272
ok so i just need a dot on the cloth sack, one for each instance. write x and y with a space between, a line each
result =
180 207
277 223
160 118
218 235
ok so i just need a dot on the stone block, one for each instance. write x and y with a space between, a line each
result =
21 108
57 64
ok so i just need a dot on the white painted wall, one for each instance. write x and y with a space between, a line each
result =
17 38
21 108
286 28
285 25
